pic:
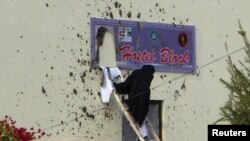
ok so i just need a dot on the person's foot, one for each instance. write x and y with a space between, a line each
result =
146 138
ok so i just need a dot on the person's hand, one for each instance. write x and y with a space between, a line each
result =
114 84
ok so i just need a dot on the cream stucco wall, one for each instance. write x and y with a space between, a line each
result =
46 79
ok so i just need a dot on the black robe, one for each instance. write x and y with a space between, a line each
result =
137 86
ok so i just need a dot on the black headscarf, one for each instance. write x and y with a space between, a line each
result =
137 86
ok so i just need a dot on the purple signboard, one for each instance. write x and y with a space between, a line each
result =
168 47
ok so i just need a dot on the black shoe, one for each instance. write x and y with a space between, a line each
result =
146 138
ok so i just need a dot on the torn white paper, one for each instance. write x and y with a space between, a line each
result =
109 74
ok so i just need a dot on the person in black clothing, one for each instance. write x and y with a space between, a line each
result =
137 86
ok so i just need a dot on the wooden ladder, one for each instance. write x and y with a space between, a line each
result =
133 123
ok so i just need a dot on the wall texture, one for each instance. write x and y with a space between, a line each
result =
46 81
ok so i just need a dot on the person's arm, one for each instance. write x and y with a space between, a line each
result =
124 87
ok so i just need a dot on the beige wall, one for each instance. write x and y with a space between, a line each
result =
43 42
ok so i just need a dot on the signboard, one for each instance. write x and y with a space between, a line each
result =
168 47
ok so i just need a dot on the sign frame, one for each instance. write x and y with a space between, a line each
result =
168 47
